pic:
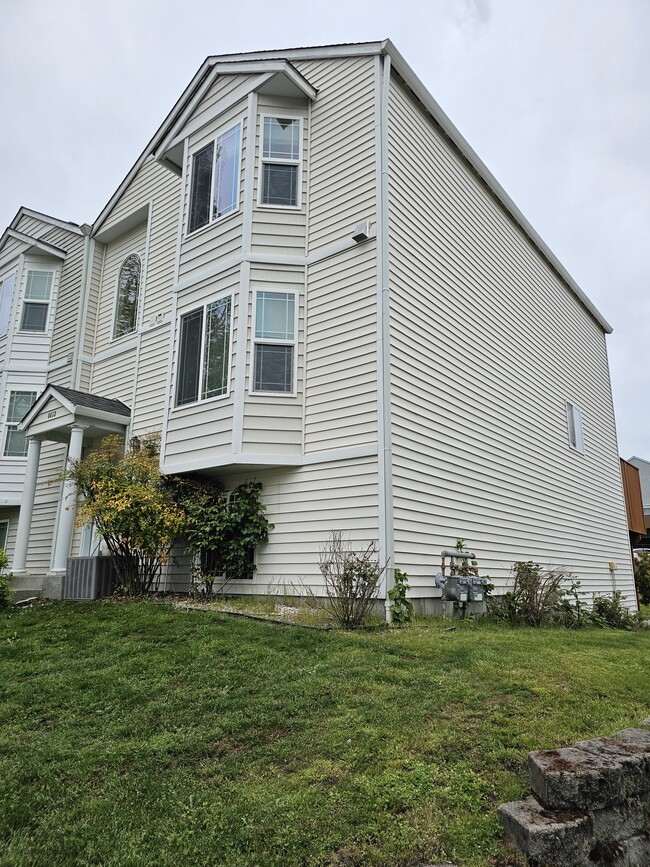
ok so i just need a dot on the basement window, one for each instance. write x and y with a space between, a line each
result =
574 425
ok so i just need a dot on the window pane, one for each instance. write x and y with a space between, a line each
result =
217 348
274 315
128 290
34 316
201 188
4 529
226 192
20 402
39 284
279 184
281 138
15 444
187 385
273 368
6 292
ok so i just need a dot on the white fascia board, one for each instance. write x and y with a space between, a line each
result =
11 501
419 90
261 460
53 221
84 412
40 402
34 243
153 143
317 52
268 66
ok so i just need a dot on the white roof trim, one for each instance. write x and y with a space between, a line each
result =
48 249
404 70
53 221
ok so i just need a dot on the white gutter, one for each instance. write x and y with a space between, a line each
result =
384 429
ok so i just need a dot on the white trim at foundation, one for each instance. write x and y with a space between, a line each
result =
262 461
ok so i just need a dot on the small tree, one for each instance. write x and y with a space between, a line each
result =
127 499
642 576
351 579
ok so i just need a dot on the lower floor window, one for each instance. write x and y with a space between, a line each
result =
275 342
20 402
4 532
204 353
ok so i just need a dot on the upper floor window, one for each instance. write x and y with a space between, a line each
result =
275 342
204 352
280 183
37 301
574 423
215 179
128 293
20 402
6 294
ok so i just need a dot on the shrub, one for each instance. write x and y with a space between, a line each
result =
401 607
611 613
538 598
642 576
351 579
4 581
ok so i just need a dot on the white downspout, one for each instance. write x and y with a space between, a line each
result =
385 456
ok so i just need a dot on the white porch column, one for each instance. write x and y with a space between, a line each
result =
27 505
65 527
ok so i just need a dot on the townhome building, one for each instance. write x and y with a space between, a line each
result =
309 279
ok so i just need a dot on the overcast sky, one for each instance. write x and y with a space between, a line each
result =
553 95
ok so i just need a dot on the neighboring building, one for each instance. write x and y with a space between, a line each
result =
643 468
636 522
310 279
41 265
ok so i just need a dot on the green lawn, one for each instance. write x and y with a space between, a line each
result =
140 734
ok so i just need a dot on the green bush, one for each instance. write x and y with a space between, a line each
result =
538 598
611 613
401 607
4 581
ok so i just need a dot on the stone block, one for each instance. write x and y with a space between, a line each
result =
548 838
573 779
620 821
634 759
638 737
638 850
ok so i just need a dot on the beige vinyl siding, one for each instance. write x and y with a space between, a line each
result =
280 231
224 90
304 505
142 189
200 431
487 345
152 381
64 334
222 238
113 377
114 256
341 148
46 506
341 362
273 423
30 350
161 255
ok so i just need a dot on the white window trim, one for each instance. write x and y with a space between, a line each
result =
128 334
50 302
5 524
190 171
203 400
6 425
291 115
275 342
573 413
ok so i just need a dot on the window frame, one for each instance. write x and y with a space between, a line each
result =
221 132
289 115
13 425
116 297
272 341
574 421
3 542
48 304
203 307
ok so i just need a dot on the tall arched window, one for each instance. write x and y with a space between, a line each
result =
128 291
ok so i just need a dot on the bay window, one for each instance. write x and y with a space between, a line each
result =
280 173
215 179
204 352
275 342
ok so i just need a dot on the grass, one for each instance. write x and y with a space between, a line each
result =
140 734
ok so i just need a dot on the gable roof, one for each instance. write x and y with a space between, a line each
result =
91 404
400 66
53 221
32 244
